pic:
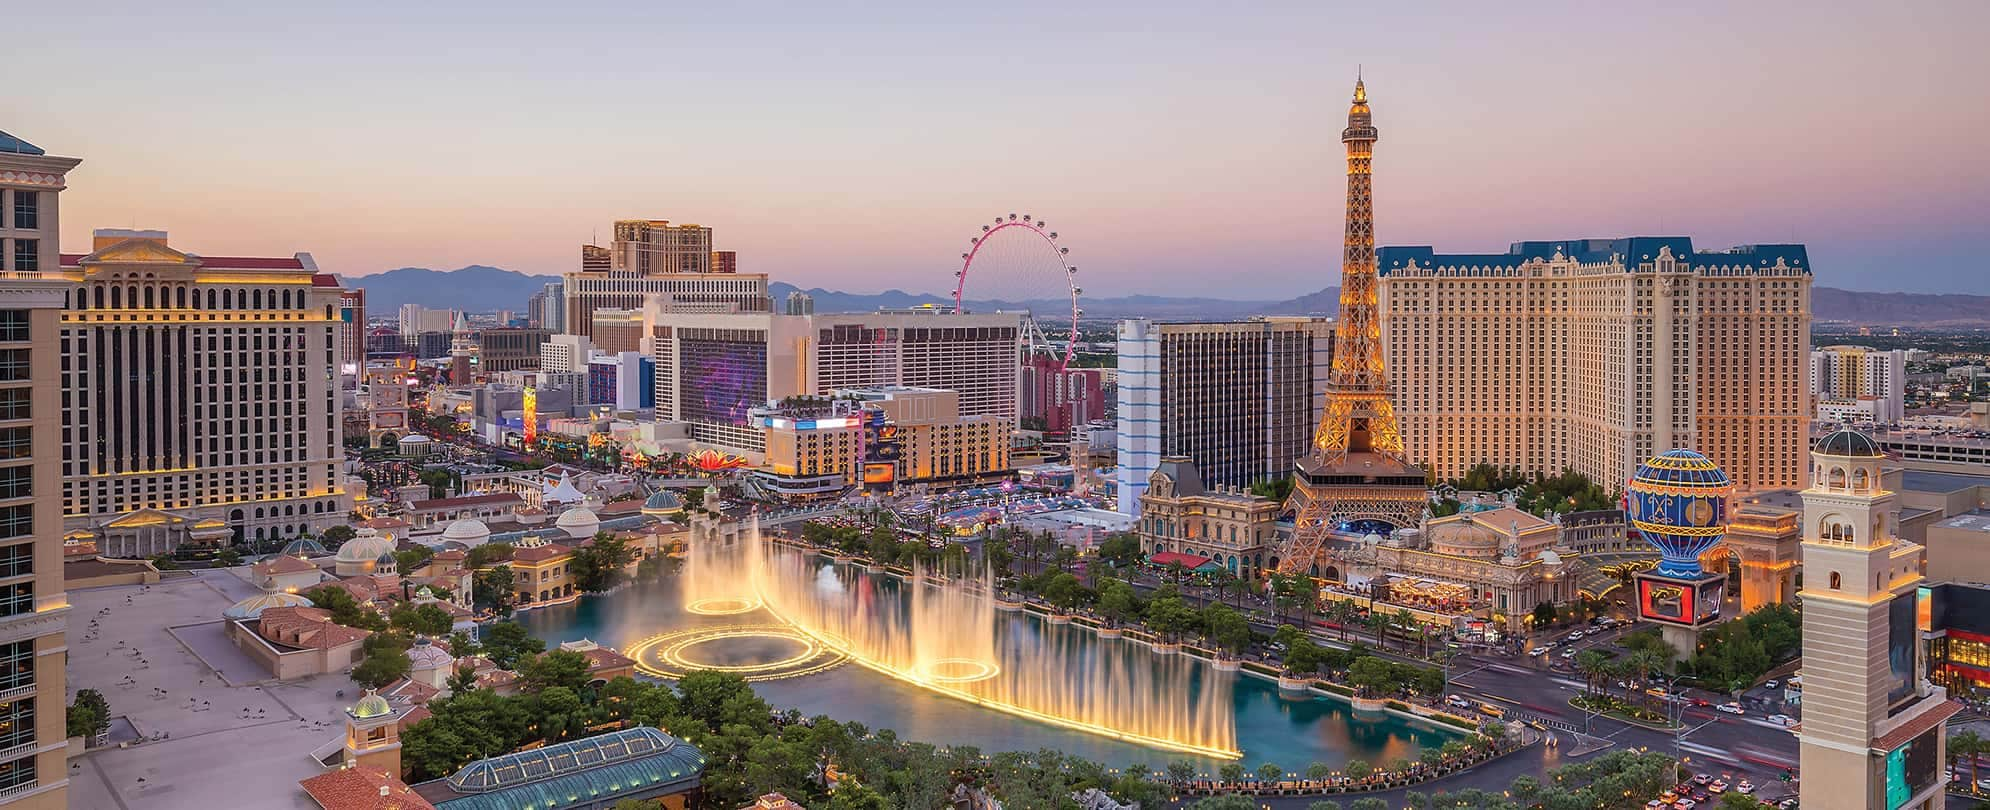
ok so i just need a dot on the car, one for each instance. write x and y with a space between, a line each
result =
1668 797
1744 787
1772 684
1717 787
1685 804
1570 652
1731 708
1702 702
1545 647
1457 701
1983 784
1789 803
1701 779
1655 804
1781 719
1575 636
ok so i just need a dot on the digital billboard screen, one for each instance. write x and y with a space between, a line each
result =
1902 621
1912 768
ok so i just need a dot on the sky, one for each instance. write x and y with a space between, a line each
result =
1179 148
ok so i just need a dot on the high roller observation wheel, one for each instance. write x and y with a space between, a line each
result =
1036 341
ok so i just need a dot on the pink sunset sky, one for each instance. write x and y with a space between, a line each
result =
1180 148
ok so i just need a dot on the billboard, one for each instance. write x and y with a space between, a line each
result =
1912 768
1902 619
1680 602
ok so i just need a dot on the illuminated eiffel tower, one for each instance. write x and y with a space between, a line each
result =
1356 471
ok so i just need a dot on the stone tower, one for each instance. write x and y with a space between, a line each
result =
1872 734
1356 470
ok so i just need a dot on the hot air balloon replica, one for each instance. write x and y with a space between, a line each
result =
1678 502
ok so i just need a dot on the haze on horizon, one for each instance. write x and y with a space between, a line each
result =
1180 148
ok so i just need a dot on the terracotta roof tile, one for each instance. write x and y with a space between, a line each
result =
466 500
284 564
360 789
1914 728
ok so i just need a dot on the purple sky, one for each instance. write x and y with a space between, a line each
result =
1180 148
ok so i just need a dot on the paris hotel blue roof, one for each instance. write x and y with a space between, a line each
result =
1631 251
1680 468
13 145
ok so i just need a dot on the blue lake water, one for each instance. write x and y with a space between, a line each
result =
1290 731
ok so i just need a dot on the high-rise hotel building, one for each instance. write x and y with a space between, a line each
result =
1594 354
1238 398
712 369
34 772
200 396
673 266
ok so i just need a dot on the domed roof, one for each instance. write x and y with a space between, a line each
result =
303 547
1549 557
414 438
468 531
387 558
579 522
365 547
1679 469
424 593
423 654
372 705
253 607
1848 442
664 501
1464 537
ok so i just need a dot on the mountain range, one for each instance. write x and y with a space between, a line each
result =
481 288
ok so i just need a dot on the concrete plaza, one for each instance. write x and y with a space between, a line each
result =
210 731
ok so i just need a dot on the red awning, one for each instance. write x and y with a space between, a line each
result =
1189 561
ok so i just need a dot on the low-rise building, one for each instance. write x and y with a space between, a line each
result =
540 571
1178 515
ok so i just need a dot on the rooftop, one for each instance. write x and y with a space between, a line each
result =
363 788
1629 251
628 761
13 145
1917 481
1977 521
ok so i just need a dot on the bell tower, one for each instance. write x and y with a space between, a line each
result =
1872 723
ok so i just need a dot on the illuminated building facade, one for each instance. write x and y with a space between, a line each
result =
34 610
509 349
352 336
1496 564
655 262
1239 398
618 330
1594 354
712 369
1355 474
1232 527
204 386
1873 725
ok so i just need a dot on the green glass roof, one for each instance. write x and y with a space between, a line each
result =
578 771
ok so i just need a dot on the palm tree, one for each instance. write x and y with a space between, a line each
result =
1342 613
1967 744
1590 663
1379 622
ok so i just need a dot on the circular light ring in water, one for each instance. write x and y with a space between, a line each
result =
723 606
665 656
958 670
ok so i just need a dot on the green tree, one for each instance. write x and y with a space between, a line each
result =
1231 772
597 565
507 641
1121 550
461 679
1227 628
89 714
486 554
1116 601
1062 591
382 666
409 560
849 795
335 536
1543 615
1357 768
1372 676
344 608
426 620
1270 772
1961 744
562 668
1319 771
228 558
1181 771
492 588
1167 616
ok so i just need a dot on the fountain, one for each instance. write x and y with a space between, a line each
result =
944 634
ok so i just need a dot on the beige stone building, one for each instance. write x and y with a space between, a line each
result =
33 607
1873 725
1496 564
1595 354
203 386
1235 529
655 262
942 446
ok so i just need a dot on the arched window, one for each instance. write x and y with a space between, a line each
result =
150 302
1860 480
227 299
256 299
117 297
1835 581
180 297
100 296
1836 480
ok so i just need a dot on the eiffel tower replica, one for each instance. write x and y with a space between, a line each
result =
1356 471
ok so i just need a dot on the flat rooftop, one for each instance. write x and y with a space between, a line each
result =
1977 521
1917 481
1779 498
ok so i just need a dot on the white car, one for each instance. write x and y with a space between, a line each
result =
1731 708
1772 684
1685 804
1575 636
1569 653
1744 787
1781 719
1717 787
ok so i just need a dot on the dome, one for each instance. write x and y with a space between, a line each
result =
468 531
664 502
370 706
366 547
578 522
1464 537
253 607
1678 502
303 547
1848 442
423 593
423 654
1549 557
414 438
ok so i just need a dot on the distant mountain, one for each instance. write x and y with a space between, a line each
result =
1898 309
477 288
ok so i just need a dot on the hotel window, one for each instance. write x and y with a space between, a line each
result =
17 664
17 723
27 209
15 600
17 773
27 255
13 324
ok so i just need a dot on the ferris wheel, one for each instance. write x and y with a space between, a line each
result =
1017 264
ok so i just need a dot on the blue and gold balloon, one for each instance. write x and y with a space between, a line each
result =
1678 502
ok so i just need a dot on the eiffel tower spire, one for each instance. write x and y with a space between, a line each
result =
1356 470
